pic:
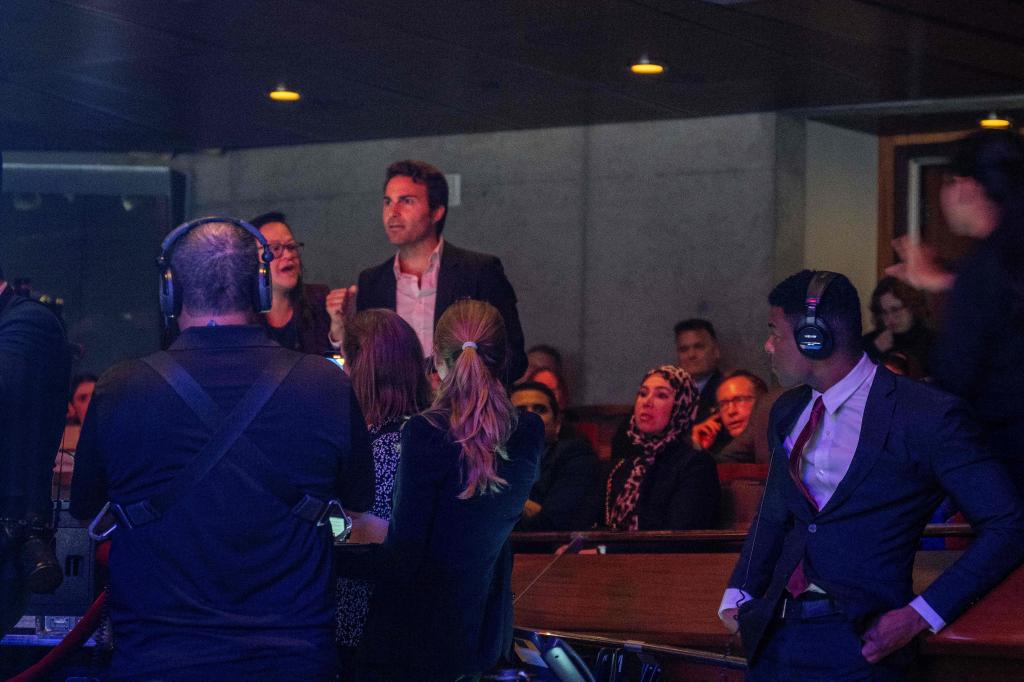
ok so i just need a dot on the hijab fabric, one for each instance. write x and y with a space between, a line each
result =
622 511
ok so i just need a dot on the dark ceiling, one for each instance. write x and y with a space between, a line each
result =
171 75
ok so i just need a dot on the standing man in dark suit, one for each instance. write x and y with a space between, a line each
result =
428 273
861 459
35 367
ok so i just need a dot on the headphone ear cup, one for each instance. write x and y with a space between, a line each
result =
170 296
814 340
264 294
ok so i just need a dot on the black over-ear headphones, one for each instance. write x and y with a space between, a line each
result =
813 337
170 295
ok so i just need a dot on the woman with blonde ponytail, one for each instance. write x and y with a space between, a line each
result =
442 609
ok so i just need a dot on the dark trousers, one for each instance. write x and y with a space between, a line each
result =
825 648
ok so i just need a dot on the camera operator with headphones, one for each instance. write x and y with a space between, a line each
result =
35 366
860 459
222 462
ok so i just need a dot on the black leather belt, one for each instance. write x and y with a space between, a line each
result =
809 605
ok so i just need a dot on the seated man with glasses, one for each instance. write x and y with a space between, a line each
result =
737 397
298 318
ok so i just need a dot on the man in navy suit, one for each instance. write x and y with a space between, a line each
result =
861 458
428 273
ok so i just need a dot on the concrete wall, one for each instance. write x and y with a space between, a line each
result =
610 234
842 205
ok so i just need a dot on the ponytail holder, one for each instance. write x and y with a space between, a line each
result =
468 344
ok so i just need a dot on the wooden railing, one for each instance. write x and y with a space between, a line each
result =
670 597
689 539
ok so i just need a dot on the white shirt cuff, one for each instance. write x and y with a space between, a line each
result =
731 599
935 622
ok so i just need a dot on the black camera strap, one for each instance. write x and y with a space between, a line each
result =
228 431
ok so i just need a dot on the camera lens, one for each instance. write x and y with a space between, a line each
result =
39 565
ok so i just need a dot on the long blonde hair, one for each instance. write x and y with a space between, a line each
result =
471 403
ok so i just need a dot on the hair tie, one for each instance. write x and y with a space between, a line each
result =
468 344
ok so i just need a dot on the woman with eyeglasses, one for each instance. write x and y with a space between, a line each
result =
900 316
660 482
298 316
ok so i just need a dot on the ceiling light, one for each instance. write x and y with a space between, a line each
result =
995 122
283 94
645 67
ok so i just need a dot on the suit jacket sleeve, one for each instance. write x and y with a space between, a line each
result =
496 289
982 490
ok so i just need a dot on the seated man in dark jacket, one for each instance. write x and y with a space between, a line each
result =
567 495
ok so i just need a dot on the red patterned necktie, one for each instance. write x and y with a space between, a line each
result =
798 582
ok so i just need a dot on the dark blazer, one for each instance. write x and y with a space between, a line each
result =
35 368
568 490
679 492
917 444
442 606
464 274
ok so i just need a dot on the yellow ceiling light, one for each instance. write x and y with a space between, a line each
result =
645 67
995 122
283 94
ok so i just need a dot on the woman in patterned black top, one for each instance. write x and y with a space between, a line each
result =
386 368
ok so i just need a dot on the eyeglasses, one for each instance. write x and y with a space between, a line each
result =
738 400
277 248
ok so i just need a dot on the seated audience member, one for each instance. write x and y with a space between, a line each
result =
900 316
567 494
298 318
738 397
442 607
385 362
553 379
660 482
82 386
697 353
542 356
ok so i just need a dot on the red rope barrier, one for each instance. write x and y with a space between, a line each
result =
74 639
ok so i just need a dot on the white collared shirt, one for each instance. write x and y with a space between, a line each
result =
416 298
828 454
